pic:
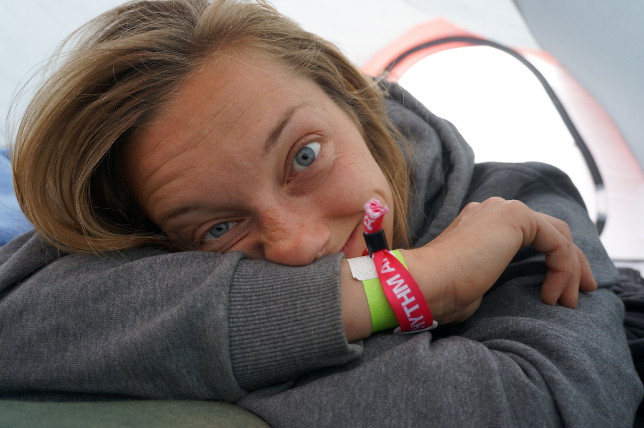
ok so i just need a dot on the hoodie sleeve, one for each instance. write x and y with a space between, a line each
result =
143 323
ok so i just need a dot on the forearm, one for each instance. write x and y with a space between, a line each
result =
287 321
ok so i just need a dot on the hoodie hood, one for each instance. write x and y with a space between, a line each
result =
441 164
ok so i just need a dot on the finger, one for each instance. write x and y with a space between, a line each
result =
554 285
569 296
583 279
586 278
561 226
570 293
587 281
560 260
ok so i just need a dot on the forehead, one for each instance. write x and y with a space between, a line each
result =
223 86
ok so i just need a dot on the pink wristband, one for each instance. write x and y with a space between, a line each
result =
404 295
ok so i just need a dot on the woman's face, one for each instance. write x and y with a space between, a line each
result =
248 157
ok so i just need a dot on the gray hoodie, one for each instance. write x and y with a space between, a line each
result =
145 323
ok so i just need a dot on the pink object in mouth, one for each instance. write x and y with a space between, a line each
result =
374 212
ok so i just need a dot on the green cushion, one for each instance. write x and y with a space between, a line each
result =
123 414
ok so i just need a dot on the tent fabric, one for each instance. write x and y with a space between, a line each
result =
600 43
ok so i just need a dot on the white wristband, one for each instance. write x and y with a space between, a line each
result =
362 268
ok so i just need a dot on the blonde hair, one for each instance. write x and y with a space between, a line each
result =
125 64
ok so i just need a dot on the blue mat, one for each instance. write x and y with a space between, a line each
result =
12 221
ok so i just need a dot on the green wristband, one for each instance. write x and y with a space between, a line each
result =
382 316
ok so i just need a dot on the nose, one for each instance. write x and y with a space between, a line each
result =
294 237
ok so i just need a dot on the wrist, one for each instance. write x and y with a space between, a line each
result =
428 273
355 308
393 295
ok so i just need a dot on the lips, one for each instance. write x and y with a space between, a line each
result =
349 248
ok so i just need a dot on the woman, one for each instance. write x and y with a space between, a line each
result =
197 209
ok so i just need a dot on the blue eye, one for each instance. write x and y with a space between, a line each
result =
220 229
305 156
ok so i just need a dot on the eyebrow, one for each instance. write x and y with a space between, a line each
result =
271 141
177 212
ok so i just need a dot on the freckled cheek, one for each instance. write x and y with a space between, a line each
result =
345 189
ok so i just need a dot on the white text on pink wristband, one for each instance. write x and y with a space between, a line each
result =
404 295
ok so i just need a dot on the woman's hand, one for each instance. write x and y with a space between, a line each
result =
463 262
